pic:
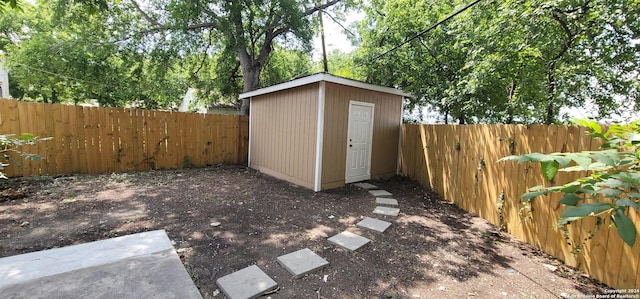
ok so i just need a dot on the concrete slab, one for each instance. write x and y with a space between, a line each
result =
158 275
386 201
374 224
365 186
249 282
379 193
349 241
302 262
386 211
143 265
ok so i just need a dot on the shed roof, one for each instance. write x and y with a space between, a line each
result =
322 77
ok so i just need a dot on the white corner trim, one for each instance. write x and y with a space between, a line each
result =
250 131
322 77
399 163
319 138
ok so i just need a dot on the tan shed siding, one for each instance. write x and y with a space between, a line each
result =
283 137
386 130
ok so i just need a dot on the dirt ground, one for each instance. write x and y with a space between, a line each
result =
224 218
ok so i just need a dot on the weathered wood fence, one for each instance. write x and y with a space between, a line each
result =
459 162
103 140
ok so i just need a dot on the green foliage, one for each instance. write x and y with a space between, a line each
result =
12 144
148 53
64 52
12 4
613 184
516 61
240 39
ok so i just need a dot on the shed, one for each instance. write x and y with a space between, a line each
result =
324 131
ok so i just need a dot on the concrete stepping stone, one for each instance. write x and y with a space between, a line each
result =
379 193
301 262
374 224
249 282
365 186
386 211
349 241
386 201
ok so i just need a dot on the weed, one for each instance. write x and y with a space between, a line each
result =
186 162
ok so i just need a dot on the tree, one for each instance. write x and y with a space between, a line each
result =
218 81
71 54
247 29
342 64
507 61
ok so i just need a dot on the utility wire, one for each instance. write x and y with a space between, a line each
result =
57 74
421 32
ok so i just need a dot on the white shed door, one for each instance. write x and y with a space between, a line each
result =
359 135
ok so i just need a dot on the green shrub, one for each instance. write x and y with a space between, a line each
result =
612 185
11 143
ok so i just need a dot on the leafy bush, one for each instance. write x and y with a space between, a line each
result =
612 185
10 143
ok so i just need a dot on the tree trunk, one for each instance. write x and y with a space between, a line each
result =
54 96
551 88
462 119
511 90
250 75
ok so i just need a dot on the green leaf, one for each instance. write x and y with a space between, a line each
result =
626 228
538 188
533 157
608 192
27 137
586 209
589 124
582 161
564 161
629 177
531 195
562 221
571 187
625 202
536 157
614 183
549 169
570 199
609 158
509 158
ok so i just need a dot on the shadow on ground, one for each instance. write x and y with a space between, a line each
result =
224 218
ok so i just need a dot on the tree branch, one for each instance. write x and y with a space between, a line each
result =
321 7
570 35
337 22
146 16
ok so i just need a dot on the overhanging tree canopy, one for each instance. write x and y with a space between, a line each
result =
507 61
247 29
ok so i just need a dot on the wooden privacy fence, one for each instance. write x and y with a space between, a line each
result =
103 140
459 162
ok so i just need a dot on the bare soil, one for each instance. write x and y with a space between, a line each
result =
433 248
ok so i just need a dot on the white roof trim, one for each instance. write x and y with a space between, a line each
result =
322 77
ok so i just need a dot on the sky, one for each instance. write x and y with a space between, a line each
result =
335 38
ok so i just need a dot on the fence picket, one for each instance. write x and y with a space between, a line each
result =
461 179
99 140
